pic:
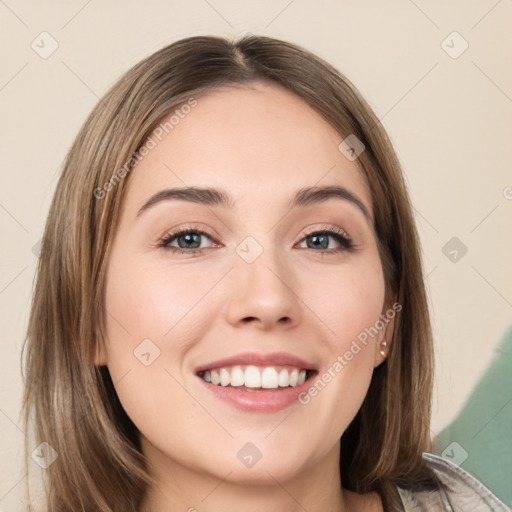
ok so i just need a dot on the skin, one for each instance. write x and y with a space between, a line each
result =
261 144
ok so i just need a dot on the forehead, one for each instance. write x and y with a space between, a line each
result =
259 142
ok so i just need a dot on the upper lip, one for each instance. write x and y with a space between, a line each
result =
252 358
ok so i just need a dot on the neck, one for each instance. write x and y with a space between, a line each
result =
316 488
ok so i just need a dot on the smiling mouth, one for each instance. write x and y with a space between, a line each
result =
257 378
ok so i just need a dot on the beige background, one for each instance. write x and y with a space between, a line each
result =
450 119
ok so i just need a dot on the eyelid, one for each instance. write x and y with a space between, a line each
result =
199 227
327 227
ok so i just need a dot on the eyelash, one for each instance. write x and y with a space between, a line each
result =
339 235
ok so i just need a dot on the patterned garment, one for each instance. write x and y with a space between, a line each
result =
465 493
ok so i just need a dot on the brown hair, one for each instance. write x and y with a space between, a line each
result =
73 404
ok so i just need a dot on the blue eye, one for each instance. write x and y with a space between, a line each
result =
319 241
188 241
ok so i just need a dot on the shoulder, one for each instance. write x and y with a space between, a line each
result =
461 492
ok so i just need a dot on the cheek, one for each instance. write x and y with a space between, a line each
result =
153 301
152 318
154 314
348 300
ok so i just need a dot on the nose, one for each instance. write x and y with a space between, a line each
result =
263 294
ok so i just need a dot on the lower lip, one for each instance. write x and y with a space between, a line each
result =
258 401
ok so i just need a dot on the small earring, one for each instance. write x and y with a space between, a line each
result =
383 344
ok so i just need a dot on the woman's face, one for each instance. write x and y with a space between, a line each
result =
269 280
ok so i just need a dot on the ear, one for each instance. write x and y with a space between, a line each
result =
386 325
100 354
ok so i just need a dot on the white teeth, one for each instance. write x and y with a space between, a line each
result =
237 377
284 378
252 377
255 377
269 378
224 377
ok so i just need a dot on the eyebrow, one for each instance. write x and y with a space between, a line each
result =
218 197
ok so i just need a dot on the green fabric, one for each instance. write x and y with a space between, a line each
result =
484 427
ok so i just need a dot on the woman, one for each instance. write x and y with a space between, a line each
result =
230 310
